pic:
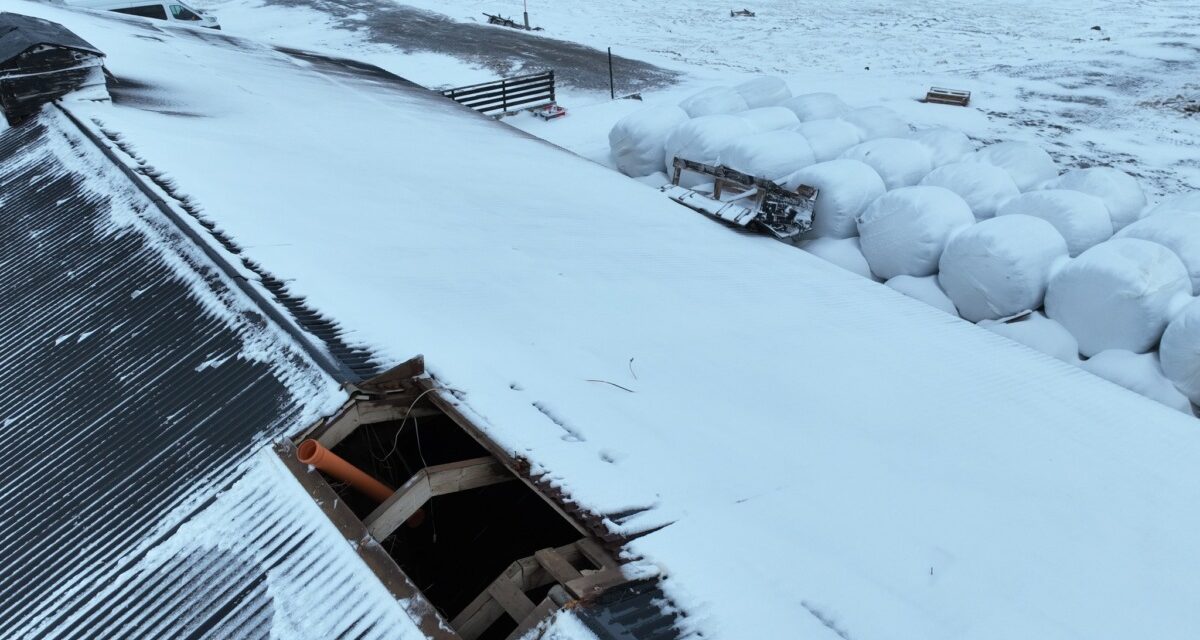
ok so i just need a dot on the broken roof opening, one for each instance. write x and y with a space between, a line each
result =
473 537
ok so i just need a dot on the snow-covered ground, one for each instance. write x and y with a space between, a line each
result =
1038 71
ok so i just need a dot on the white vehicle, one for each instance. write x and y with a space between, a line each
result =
170 10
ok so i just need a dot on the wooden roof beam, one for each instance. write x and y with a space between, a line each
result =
429 482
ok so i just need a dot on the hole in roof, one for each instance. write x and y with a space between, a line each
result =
491 554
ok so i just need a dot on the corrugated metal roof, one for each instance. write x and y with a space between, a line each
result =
635 611
135 385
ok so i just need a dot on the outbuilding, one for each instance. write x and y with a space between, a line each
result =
41 61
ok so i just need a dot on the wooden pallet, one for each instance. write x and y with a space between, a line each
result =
940 95
506 595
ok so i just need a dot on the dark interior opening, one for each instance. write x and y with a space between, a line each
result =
466 539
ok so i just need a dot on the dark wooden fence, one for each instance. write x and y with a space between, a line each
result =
502 96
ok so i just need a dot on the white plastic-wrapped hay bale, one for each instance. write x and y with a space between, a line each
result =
1082 219
637 140
714 101
1182 203
1120 191
1141 373
815 106
945 145
843 252
877 122
1118 295
903 232
1028 164
1000 267
770 118
1039 333
763 91
899 161
985 187
926 290
829 137
1180 351
768 154
1179 232
702 139
844 189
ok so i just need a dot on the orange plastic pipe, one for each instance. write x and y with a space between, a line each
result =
314 453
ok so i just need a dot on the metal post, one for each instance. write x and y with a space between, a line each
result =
526 4
612 88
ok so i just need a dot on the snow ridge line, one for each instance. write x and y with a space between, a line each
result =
345 362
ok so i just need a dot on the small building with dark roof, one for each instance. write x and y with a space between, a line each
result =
41 61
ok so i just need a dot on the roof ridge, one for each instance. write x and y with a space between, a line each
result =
344 361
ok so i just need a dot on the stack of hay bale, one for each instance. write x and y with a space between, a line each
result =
1073 264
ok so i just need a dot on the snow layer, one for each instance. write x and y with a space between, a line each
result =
703 139
945 145
1119 294
899 161
816 106
1038 332
714 101
926 290
844 189
764 91
985 187
903 232
877 122
1180 351
770 118
1028 164
1000 267
843 252
1179 232
638 140
771 154
829 137
1120 191
933 509
1082 219
1140 373
1182 203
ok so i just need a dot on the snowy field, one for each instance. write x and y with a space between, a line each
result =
1038 70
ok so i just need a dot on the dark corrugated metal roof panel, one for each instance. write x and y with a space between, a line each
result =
136 386
19 33
635 611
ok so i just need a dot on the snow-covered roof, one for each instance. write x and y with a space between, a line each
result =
141 391
829 457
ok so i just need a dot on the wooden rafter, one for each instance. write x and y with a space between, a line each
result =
437 480
506 594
